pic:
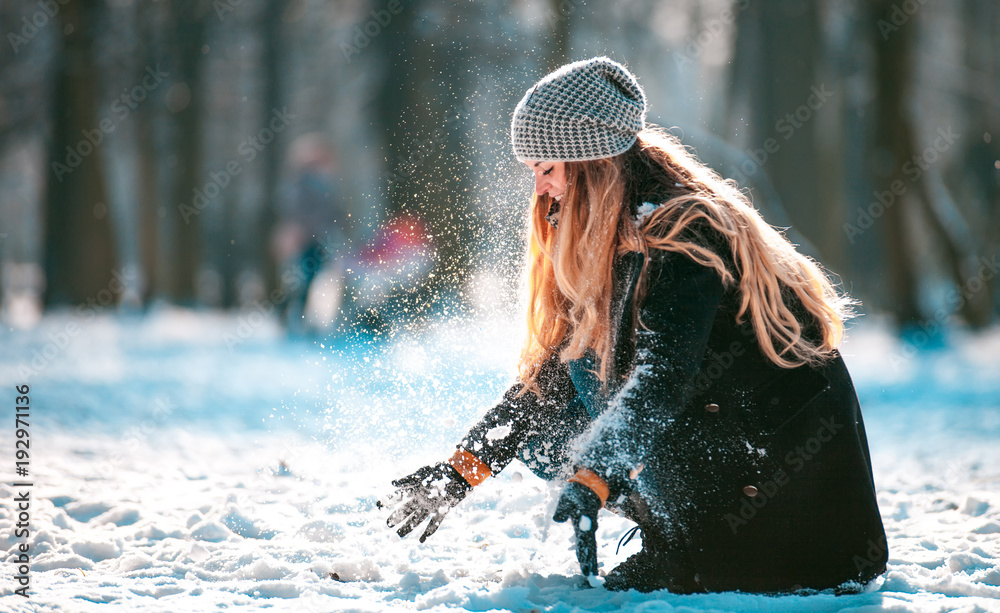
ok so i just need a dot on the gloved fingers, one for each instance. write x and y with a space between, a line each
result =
433 524
565 509
429 492
419 515
413 480
586 545
390 500
403 512
405 484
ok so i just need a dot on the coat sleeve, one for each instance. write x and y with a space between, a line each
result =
502 432
681 303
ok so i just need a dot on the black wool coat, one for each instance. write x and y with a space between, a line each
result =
755 477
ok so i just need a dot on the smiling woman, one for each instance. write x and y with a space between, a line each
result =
550 181
550 178
681 365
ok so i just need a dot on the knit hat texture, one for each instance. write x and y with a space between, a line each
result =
586 110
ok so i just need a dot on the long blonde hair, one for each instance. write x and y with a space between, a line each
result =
570 267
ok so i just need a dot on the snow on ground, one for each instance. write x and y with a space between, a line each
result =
197 462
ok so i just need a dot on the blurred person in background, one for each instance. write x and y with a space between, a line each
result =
681 366
387 277
311 234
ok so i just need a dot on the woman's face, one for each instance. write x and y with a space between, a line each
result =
550 178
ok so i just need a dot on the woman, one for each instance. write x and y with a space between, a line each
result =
680 368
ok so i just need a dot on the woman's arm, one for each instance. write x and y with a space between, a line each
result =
491 444
499 436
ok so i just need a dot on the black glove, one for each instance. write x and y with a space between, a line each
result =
430 492
579 504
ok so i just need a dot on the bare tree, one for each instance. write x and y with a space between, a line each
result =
148 163
978 174
188 33
776 68
80 254
894 142
272 59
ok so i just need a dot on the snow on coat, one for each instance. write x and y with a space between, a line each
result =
758 477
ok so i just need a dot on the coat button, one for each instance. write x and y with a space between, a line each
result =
712 407
750 491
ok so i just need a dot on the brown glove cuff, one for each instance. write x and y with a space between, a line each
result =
594 481
470 467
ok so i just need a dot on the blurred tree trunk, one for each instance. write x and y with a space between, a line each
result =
420 106
188 19
273 58
861 266
559 13
892 145
779 46
22 91
149 193
979 170
231 253
893 149
80 253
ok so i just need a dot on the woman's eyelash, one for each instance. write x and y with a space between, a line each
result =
549 170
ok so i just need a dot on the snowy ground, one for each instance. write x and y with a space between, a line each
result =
196 462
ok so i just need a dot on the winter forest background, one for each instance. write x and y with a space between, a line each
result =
121 118
175 173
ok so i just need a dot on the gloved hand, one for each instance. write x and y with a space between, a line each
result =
430 492
579 504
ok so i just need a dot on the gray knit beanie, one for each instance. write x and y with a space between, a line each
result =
583 111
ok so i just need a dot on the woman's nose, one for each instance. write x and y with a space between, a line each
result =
541 186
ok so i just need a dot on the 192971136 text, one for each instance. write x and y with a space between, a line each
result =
22 491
